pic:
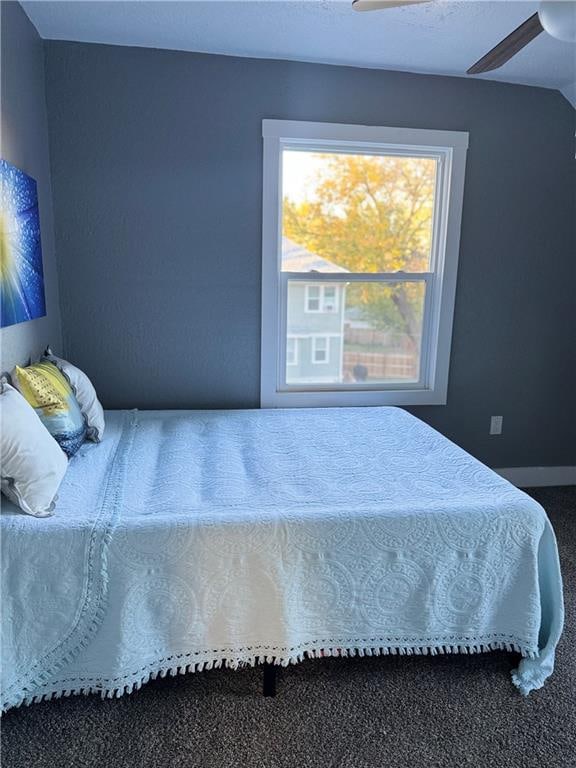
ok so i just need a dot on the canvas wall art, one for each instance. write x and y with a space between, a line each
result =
21 276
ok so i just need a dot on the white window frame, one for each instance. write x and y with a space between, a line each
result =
321 300
336 303
449 148
307 298
326 349
294 360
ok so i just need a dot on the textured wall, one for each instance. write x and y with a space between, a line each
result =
157 175
25 145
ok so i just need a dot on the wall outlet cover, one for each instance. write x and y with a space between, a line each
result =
496 425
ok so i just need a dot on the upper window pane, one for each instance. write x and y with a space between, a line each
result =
356 212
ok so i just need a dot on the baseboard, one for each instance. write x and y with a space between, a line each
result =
535 477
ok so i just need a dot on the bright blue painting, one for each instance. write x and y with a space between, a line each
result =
21 276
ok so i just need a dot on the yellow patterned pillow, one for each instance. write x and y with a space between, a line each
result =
48 392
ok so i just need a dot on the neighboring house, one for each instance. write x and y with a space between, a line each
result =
315 320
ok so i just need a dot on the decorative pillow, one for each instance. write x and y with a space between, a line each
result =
85 395
33 464
48 392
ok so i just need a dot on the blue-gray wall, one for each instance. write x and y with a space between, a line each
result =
25 145
157 176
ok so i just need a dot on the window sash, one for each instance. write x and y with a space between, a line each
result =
350 277
321 344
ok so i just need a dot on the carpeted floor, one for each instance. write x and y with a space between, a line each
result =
387 712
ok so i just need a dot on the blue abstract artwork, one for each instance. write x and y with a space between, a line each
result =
21 275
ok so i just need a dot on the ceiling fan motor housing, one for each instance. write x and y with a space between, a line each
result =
559 19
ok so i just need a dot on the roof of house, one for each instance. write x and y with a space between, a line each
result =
298 259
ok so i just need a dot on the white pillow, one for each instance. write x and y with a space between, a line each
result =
85 395
33 464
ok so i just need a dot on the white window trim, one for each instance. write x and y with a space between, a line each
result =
296 350
307 300
321 300
336 301
450 148
315 338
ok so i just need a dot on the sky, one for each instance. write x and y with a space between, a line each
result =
298 171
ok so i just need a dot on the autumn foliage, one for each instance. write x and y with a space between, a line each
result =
370 213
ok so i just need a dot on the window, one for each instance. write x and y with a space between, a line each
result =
361 231
313 298
320 349
291 351
321 298
329 297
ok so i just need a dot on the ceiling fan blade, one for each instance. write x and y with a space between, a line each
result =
508 47
381 5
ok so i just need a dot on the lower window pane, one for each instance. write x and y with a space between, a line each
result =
368 333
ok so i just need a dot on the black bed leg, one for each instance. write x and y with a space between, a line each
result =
269 679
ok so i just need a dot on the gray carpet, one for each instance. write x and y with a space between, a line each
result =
387 712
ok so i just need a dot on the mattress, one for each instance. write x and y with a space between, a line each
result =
192 539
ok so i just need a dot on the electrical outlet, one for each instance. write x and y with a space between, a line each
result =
496 425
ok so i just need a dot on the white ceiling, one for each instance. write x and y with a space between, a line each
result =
440 37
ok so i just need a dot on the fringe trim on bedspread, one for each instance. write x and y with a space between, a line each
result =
86 625
116 690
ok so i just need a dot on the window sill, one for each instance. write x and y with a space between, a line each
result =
327 399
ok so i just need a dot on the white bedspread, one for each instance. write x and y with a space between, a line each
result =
193 539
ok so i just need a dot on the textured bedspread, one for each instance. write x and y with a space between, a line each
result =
193 539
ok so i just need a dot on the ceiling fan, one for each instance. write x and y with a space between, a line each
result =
556 18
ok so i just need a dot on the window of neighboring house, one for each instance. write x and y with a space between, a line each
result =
313 298
364 224
291 351
329 298
321 298
320 349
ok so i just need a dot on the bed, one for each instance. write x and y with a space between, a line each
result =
188 540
